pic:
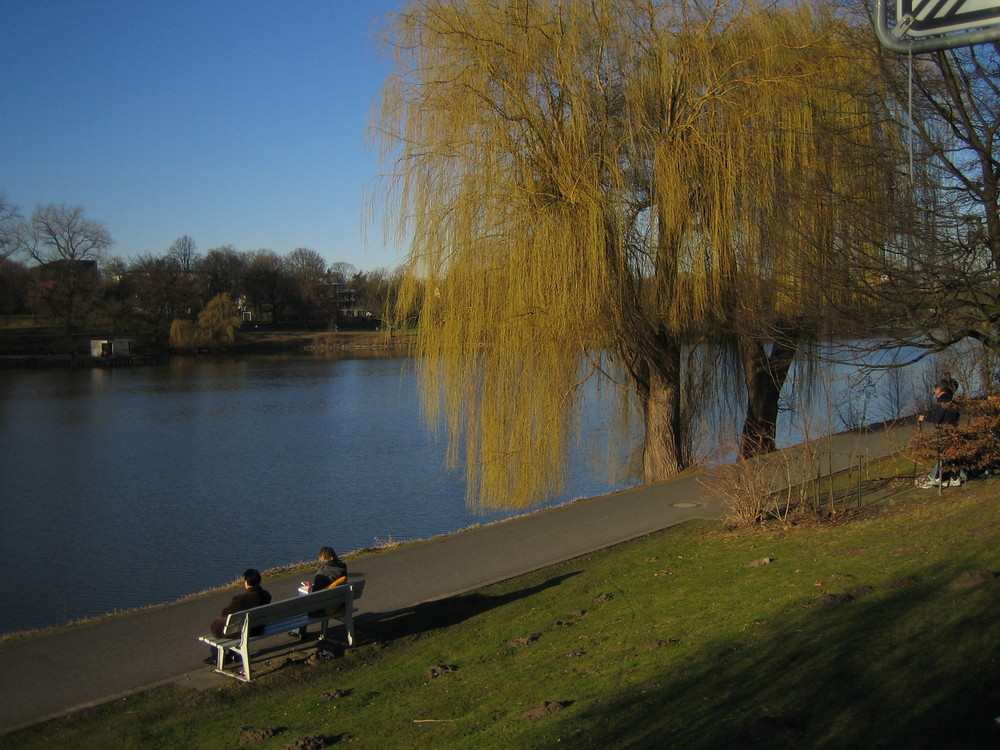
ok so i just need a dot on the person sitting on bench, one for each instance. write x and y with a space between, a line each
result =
331 569
251 596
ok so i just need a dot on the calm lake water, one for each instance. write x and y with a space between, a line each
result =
134 486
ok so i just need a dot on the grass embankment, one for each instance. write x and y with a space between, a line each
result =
825 636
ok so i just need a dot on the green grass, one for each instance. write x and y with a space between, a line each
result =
850 638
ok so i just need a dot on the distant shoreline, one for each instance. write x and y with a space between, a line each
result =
47 346
300 340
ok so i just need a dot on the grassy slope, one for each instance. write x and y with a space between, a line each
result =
851 637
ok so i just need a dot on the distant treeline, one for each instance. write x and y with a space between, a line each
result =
55 268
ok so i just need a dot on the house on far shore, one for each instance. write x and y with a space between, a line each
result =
111 347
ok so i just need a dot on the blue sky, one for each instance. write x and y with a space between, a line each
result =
239 123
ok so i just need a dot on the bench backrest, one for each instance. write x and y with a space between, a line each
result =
339 597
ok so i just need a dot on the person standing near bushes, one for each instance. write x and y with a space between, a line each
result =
944 414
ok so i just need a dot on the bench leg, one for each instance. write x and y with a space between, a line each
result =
349 628
244 653
231 654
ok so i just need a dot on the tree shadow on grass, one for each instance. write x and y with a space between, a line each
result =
441 613
915 666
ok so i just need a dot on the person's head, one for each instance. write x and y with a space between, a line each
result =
251 577
942 393
327 554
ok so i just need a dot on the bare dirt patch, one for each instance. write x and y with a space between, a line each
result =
544 709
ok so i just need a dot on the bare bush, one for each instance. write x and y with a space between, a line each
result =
755 489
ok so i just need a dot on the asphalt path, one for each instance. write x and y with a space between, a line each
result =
56 672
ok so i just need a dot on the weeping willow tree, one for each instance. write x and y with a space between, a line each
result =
216 325
593 188
800 244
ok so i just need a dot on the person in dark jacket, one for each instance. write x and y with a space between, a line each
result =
944 414
251 596
330 570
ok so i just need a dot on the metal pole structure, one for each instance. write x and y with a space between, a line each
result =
892 40
940 471
860 469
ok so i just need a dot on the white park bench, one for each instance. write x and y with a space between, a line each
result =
280 617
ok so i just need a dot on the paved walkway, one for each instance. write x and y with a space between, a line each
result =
69 668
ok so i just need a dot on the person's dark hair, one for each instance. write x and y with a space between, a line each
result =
327 554
252 576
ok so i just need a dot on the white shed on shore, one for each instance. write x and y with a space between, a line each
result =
111 347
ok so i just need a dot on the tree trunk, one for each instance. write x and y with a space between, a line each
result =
765 376
663 453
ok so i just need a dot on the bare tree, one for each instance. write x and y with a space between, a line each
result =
341 271
62 233
9 218
927 270
67 246
306 263
161 290
184 252
942 276
375 288
307 269
15 284
268 284
221 271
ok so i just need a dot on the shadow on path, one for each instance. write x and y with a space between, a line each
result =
442 613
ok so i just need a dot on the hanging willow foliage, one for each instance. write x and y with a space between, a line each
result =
612 178
216 326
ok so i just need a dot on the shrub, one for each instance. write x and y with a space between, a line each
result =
973 445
